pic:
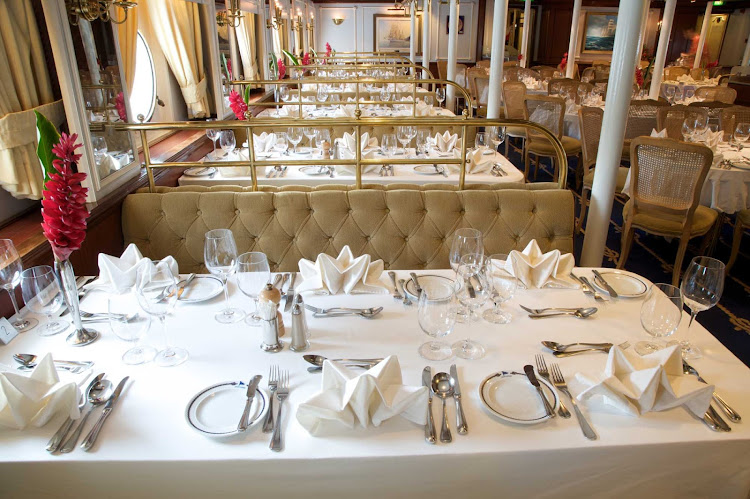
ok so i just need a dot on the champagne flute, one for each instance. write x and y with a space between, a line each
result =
220 255
227 142
130 327
42 295
253 273
472 291
661 313
10 277
701 289
156 291
440 95
294 134
436 313
504 286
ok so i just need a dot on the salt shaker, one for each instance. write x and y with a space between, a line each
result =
300 332
269 325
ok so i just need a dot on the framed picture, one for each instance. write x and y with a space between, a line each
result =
460 24
393 33
599 33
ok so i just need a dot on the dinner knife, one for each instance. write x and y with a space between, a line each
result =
416 282
184 284
90 439
461 425
429 429
529 370
252 386
283 281
277 280
290 293
604 283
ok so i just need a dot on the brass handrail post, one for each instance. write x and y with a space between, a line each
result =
251 157
147 161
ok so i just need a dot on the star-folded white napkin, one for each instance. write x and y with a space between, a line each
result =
35 399
328 275
264 142
117 275
634 385
661 134
478 162
424 109
446 141
345 111
541 270
347 148
349 398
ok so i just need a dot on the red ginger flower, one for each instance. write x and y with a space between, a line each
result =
120 105
329 50
282 69
64 204
306 59
639 77
564 61
237 104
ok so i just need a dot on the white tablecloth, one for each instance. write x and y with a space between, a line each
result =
147 449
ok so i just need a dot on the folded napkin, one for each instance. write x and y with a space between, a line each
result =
264 142
350 397
446 142
541 270
328 275
476 162
347 148
107 165
35 399
725 152
345 111
661 134
634 385
594 101
236 171
117 275
711 139
291 111
571 107
424 109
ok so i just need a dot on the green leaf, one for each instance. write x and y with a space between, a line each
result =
247 94
48 136
273 66
292 58
226 68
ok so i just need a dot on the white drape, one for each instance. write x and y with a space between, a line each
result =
246 44
24 87
127 37
276 40
177 26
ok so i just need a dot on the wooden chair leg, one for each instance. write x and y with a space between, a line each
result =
736 240
526 166
584 206
627 241
507 141
537 159
684 240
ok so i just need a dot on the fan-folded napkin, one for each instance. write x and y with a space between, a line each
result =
117 275
446 141
541 270
329 275
348 148
264 142
34 400
635 385
661 134
348 398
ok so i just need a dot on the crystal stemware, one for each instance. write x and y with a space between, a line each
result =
741 134
480 142
42 295
702 286
227 142
294 134
253 273
496 135
440 95
436 312
220 255
10 277
465 242
472 291
281 143
503 285
129 323
661 313
213 136
323 141
309 132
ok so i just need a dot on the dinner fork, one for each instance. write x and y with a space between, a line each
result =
733 415
406 300
282 393
587 287
541 367
396 294
559 381
273 379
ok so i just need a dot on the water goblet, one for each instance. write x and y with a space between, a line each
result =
465 242
423 136
661 313
130 324
480 142
42 295
436 313
688 129
220 256
503 285
309 132
472 291
741 134
702 286
294 134
496 135
669 92
281 144
440 96
227 142
10 277
253 273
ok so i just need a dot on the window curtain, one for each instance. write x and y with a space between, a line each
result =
248 48
177 26
276 40
24 87
127 37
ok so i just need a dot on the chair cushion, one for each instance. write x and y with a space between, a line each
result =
515 131
703 220
622 175
544 148
744 216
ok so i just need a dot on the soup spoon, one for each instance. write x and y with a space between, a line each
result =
581 313
442 386
97 394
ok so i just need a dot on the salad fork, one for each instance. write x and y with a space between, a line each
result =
282 393
559 381
273 379
731 413
541 367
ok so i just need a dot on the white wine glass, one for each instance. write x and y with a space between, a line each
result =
227 142
130 323
504 286
661 313
472 291
436 313
220 256
310 132
440 95
294 134
403 134
253 273
702 286
213 136
741 134
496 136
281 143
41 293
10 277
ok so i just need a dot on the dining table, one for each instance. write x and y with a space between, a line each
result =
147 448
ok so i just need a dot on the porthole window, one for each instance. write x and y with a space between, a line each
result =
143 96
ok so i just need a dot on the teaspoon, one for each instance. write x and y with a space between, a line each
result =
443 388
97 395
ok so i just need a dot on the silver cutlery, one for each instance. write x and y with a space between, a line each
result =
415 279
592 290
559 381
529 370
289 297
282 393
541 367
429 428
277 280
718 421
441 386
603 347
182 285
57 439
252 386
317 360
581 313
461 425
273 380
105 317
367 313
731 413
96 395
550 309
90 439
396 293
30 360
283 171
600 279
406 300
284 279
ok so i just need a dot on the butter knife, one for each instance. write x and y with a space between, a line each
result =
416 283
184 284
529 370
598 277
290 293
461 425
252 386
90 439
429 429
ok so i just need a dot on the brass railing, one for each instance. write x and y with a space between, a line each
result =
356 124
410 67
357 56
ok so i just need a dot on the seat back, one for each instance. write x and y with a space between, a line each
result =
485 63
510 73
671 118
713 108
671 73
698 74
514 94
730 117
726 95
547 111
590 120
642 117
558 85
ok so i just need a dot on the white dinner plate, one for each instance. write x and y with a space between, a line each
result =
314 170
626 285
742 165
199 171
510 396
427 282
426 170
202 288
216 410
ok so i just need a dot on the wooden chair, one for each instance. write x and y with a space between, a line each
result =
741 222
529 73
478 82
671 73
510 73
699 74
666 179
601 71
545 71
671 118
514 96
719 94
558 85
510 64
730 117
485 63
588 74
590 120
549 112
641 121
713 108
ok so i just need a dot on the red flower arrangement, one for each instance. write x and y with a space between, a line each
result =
520 57
639 77
64 203
329 50
229 69
238 104
282 69
712 64
564 61
120 105
306 59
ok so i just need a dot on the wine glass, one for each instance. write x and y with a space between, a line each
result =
701 288
689 93
294 134
10 277
472 291
156 291
284 93
403 134
688 129
582 92
480 142
281 145
42 295
661 313
385 95
253 273
130 326
323 140
220 255
227 142
309 132
436 313
440 95
322 94
423 136
465 241
669 93
503 286
428 100
213 136
741 134
99 144
496 135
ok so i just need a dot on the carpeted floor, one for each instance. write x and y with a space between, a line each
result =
653 257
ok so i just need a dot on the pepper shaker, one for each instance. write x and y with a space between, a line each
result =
300 332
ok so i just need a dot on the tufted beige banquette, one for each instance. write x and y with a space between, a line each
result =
407 228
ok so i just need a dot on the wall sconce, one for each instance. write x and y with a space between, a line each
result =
91 10
231 16
311 25
276 20
338 20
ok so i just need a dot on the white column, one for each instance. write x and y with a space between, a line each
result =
641 37
573 43
526 34
450 92
657 71
746 57
426 21
413 33
619 91
497 57
704 34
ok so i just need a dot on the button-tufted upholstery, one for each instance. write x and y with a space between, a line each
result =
407 228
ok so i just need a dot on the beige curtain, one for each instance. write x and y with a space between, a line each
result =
276 41
127 37
246 43
176 24
24 86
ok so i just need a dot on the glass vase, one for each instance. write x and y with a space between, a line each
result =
80 335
